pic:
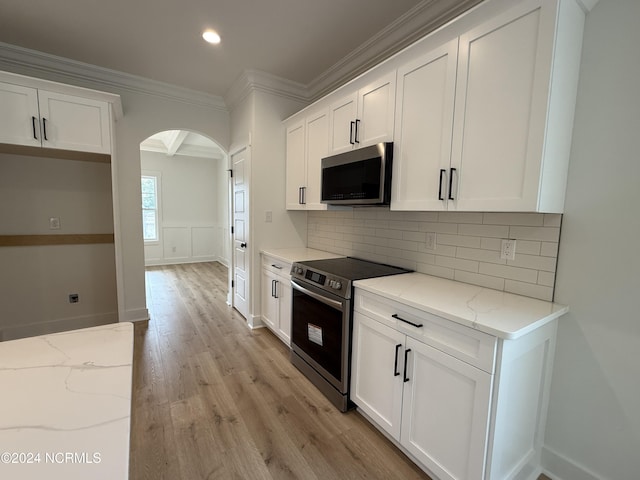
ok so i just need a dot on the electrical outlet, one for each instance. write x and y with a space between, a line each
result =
508 249
268 216
430 244
74 298
54 223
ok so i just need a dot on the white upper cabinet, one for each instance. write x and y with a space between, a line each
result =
484 122
307 144
424 125
515 98
296 166
19 120
74 123
364 117
38 117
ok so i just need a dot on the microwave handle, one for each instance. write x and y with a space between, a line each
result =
327 301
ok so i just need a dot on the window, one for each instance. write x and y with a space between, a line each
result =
150 208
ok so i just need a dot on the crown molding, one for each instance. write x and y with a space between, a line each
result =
51 67
421 20
251 80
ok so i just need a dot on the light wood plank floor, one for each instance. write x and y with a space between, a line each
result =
214 400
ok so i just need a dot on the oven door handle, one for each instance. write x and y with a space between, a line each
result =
327 301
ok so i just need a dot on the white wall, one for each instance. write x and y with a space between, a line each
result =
36 281
193 212
593 428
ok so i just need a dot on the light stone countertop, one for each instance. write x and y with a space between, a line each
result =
301 254
66 397
497 313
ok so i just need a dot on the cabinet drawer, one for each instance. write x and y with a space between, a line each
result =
471 346
276 266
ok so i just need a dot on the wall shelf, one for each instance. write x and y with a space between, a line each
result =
40 240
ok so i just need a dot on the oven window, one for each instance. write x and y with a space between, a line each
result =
318 330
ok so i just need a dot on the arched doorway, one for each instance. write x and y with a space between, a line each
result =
185 196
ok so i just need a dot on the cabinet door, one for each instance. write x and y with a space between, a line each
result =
342 117
445 414
20 120
268 300
376 104
317 130
74 123
424 125
295 166
375 386
283 292
501 100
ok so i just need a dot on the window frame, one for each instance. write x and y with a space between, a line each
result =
158 182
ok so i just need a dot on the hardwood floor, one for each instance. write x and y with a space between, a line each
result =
215 400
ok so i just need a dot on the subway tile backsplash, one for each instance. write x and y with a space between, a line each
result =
467 244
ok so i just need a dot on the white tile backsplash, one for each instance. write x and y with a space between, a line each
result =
467 244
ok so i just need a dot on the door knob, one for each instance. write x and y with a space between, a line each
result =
243 245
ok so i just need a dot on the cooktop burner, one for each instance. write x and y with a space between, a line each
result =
337 274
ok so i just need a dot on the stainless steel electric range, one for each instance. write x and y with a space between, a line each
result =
321 320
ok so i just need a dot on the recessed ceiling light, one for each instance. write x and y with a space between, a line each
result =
211 37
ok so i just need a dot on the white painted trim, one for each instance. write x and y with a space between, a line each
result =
156 262
559 467
255 321
35 63
137 315
256 80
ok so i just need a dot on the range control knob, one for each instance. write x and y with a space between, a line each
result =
299 270
337 285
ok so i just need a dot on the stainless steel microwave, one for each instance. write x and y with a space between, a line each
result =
358 177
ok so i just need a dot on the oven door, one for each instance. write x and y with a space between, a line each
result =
320 332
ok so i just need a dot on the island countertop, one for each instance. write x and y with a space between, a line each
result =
501 314
65 406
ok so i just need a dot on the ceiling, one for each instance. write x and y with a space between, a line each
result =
297 40
183 143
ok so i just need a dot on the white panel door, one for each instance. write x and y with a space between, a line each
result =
317 131
500 113
445 415
74 123
342 118
376 372
376 104
296 167
424 125
20 119
241 254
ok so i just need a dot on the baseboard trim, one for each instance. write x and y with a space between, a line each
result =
559 467
137 315
58 325
162 262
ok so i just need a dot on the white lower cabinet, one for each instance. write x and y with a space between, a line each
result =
463 404
435 405
276 297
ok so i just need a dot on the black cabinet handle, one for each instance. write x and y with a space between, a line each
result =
442 172
451 184
273 288
44 128
351 133
243 245
406 363
304 195
395 315
299 195
357 140
33 124
276 266
395 365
